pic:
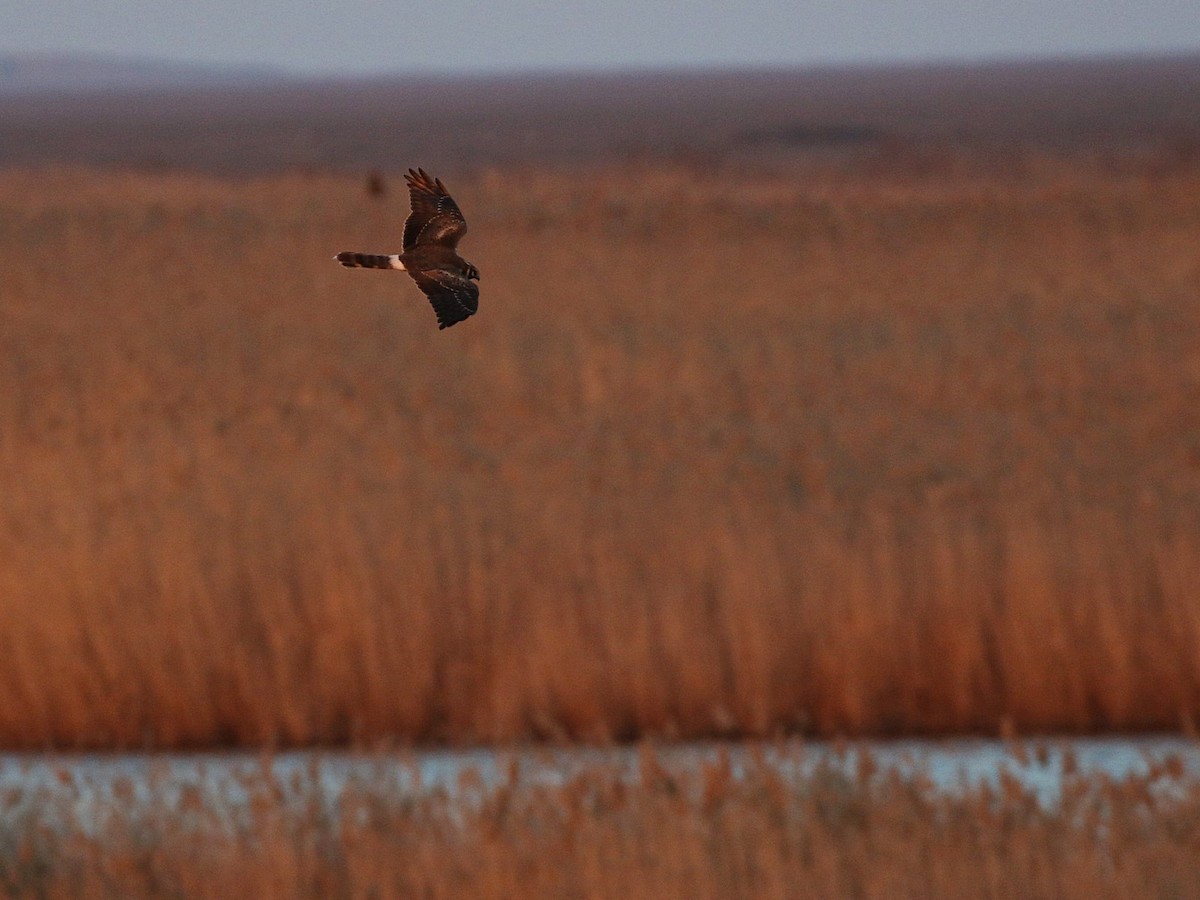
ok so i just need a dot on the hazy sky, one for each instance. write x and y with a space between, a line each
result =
356 36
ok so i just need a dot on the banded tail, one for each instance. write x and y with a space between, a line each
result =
352 260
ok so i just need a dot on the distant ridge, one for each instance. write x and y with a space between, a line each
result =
78 73
257 120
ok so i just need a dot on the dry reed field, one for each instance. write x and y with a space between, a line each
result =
711 833
726 451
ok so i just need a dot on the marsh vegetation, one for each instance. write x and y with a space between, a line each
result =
726 453
890 436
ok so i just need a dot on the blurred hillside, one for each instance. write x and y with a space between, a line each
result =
1124 107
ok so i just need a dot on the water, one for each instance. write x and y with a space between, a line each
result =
75 787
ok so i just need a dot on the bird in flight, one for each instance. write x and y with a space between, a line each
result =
431 234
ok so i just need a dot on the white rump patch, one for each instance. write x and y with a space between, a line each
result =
394 260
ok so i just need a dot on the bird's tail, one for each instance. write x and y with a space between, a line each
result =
352 260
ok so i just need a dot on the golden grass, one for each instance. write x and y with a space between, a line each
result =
722 453
706 832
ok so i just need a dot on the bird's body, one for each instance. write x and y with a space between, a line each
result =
431 234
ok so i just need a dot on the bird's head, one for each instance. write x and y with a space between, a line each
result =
472 272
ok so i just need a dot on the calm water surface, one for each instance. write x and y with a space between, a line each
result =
73 785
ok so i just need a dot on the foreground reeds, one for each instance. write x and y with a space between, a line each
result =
705 832
722 453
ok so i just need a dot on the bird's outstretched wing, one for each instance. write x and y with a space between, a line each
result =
435 217
454 298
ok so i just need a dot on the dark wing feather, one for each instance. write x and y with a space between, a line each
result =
435 217
454 298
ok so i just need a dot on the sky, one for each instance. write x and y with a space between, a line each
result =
354 37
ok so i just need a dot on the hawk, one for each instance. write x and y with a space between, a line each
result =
431 233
